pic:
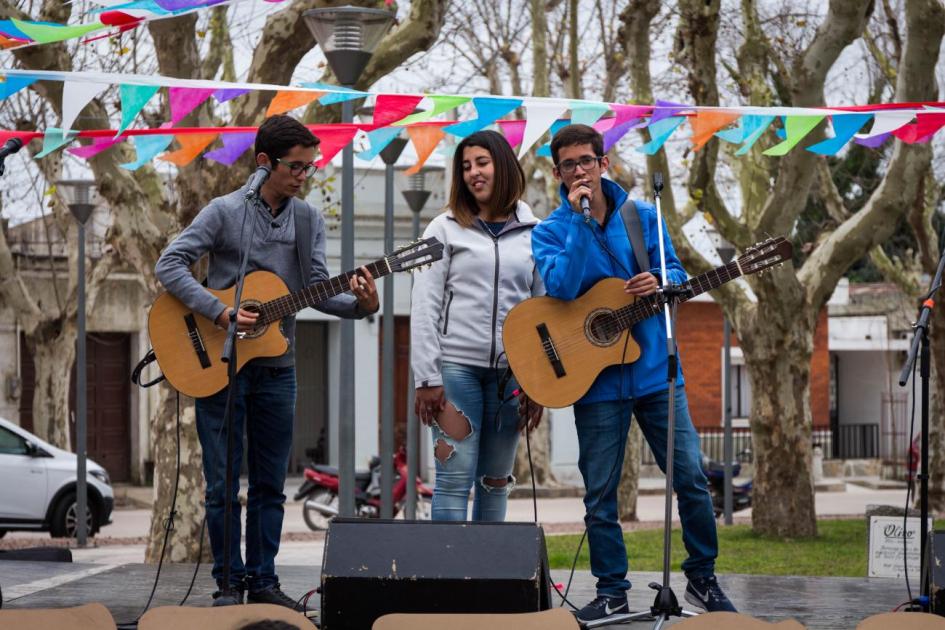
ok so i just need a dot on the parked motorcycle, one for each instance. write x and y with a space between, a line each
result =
320 491
715 474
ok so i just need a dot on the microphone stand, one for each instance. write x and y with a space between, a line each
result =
920 346
665 605
229 357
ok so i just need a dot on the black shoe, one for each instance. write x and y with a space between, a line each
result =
603 607
275 596
234 598
706 593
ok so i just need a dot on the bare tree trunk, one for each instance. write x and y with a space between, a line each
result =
184 540
52 345
629 489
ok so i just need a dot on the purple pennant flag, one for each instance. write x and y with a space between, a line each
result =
234 145
873 142
614 134
665 109
225 94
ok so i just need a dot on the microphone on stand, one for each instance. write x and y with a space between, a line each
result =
10 147
257 180
657 183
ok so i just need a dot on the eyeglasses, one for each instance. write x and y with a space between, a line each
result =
586 163
297 168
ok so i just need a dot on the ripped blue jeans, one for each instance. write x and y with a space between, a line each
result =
485 456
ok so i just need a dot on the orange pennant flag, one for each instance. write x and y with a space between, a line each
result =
191 145
287 100
706 122
424 139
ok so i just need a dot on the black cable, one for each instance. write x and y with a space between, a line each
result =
168 527
193 578
909 490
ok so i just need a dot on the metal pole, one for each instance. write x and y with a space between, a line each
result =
346 418
81 507
387 357
413 455
727 419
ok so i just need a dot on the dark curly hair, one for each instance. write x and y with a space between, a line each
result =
278 134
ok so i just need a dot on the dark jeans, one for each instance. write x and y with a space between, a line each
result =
265 400
602 436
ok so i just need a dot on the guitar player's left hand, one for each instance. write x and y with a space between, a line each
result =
641 284
363 287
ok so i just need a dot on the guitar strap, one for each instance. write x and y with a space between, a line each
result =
303 238
631 221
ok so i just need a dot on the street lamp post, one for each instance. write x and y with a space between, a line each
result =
726 252
416 195
77 194
348 36
390 154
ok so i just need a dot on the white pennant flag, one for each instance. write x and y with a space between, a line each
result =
75 96
540 115
884 122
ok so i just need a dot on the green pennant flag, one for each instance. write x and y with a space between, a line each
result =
48 33
795 128
133 100
441 103
54 138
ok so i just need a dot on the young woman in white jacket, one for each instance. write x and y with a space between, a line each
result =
464 390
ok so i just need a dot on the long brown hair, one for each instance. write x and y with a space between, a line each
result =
508 184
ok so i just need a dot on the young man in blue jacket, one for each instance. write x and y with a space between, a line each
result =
572 254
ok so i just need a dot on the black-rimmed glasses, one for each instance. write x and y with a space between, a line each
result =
586 163
297 168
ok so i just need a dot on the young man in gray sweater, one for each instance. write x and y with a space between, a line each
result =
265 387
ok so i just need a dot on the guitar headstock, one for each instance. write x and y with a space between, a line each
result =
414 255
765 254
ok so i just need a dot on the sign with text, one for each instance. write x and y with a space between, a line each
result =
889 541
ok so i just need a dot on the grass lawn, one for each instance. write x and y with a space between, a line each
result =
838 550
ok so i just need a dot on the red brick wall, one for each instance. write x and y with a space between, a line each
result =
700 349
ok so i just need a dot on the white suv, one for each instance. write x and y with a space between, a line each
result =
38 487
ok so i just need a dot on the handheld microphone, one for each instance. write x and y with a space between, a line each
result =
10 147
257 180
586 207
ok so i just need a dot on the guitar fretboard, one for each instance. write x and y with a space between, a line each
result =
652 304
319 292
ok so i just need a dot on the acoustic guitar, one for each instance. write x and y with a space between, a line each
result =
188 346
557 348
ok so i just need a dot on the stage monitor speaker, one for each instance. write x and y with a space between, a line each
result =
371 568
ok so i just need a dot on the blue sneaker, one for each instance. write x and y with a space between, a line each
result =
603 607
706 593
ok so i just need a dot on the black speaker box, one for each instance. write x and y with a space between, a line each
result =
374 567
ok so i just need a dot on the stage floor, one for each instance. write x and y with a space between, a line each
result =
816 602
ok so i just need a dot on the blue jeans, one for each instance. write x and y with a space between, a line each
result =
265 399
488 452
602 435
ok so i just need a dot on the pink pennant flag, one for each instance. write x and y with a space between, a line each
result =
924 127
513 130
185 100
390 108
333 139
98 145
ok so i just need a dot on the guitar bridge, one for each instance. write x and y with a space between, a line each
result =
196 340
548 345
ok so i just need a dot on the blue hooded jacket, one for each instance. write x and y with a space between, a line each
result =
571 259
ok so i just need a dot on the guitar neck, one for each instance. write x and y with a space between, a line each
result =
319 292
652 304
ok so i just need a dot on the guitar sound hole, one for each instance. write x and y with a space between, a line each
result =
601 327
253 306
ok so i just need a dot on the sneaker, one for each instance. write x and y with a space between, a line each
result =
603 607
235 598
706 593
275 596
